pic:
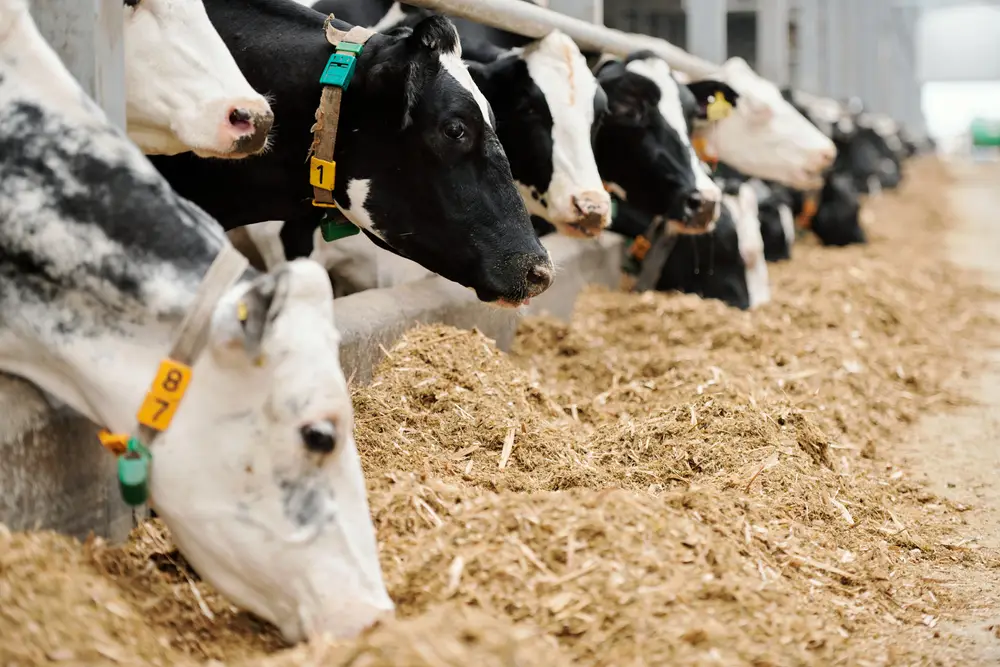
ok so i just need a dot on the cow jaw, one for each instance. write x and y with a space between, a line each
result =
184 91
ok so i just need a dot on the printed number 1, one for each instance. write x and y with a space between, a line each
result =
319 167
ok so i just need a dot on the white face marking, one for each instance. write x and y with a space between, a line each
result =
391 18
182 83
560 71
659 72
452 63
767 137
249 506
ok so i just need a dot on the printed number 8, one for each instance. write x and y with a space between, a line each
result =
173 380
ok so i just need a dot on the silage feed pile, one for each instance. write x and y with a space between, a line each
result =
662 481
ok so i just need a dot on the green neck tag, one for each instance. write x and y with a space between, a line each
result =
133 473
334 230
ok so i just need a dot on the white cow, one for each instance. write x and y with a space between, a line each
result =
765 136
184 91
257 476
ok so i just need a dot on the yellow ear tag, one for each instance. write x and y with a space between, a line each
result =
242 312
719 107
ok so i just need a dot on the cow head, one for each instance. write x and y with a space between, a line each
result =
257 475
423 173
548 106
644 148
184 92
767 137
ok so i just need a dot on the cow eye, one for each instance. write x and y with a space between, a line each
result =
132 3
454 130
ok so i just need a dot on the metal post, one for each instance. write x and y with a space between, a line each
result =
911 104
772 40
838 58
88 36
808 47
707 29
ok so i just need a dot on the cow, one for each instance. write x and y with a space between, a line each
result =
774 210
643 147
548 107
183 90
766 137
867 145
419 168
709 265
256 475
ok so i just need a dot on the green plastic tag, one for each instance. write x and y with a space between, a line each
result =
133 473
334 231
339 70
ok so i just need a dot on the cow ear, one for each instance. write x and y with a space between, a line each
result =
241 323
434 35
715 99
400 73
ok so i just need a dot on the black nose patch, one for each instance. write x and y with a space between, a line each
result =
319 436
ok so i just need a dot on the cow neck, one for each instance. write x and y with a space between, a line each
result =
336 78
173 377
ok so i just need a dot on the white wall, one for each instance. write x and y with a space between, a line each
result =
959 63
959 44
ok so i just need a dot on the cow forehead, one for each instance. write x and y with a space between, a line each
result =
670 107
452 63
560 71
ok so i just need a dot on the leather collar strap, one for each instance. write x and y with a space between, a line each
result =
647 256
172 377
335 79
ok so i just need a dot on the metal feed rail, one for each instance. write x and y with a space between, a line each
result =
530 20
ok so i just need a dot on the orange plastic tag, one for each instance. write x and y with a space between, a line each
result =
809 208
640 247
116 443
165 394
700 144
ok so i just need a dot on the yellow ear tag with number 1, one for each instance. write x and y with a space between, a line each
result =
719 107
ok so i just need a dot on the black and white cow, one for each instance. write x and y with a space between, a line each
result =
548 107
643 147
709 265
419 167
183 90
257 476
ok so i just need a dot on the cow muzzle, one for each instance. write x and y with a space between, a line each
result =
591 214
700 214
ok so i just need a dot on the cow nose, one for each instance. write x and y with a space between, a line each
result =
538 279
826 157
695 202
594 211
241 120
251 128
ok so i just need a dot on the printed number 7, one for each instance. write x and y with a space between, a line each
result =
164 406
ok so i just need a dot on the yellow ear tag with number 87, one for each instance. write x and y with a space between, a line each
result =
719 107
